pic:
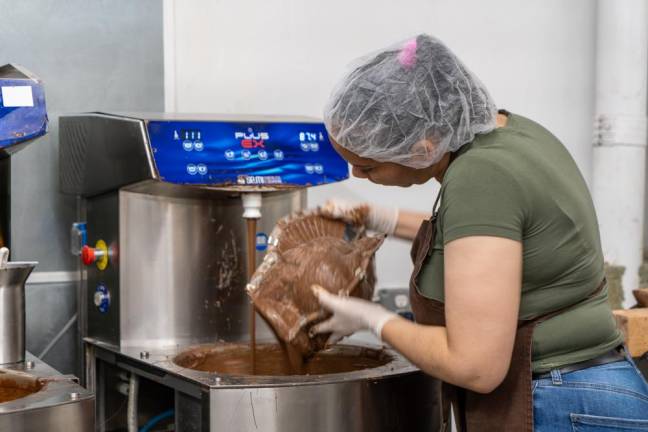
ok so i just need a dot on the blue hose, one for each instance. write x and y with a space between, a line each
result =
155 420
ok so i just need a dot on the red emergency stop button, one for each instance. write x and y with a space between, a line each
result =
88 255
98 254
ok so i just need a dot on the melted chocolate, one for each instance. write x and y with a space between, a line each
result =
10 393
234 359
251 266
12 389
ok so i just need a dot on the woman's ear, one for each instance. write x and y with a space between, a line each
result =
423 147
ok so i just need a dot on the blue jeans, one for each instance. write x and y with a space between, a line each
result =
611 397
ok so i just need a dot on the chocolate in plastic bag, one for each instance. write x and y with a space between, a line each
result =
308 249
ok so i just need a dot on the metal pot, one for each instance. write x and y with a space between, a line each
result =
12 311
55 403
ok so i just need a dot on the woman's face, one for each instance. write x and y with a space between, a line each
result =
389 173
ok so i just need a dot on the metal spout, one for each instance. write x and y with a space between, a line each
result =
16 273
12 310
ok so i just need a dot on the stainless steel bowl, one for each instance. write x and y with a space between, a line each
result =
395 396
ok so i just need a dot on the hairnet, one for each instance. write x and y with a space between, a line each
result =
395 99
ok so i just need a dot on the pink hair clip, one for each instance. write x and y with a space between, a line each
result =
407 55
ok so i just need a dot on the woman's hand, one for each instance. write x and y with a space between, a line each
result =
374 218
389 220
350 315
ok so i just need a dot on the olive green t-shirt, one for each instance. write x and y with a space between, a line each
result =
519 182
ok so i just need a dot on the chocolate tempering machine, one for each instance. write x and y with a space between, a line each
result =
33 395
163 241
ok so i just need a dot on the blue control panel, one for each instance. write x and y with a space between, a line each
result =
23 115
245 154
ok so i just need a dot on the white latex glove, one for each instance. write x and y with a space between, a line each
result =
350 314
375 218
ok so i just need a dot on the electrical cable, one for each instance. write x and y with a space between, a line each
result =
155 420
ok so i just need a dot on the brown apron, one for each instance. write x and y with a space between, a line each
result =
510 406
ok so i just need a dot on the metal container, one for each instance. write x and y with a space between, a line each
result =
60 404
394 397
12 311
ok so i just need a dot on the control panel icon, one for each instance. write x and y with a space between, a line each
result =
304 146
247 154
192 169
229 154
278 155
187 145
198 145
310 169
319 169
202 169
263 155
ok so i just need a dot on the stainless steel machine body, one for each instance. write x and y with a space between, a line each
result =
61 405
176 267
395 397
179 274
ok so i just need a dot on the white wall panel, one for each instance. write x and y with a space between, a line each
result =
284 56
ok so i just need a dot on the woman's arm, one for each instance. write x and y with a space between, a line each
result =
482 295
408 224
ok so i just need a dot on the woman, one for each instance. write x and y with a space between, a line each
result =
508 288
